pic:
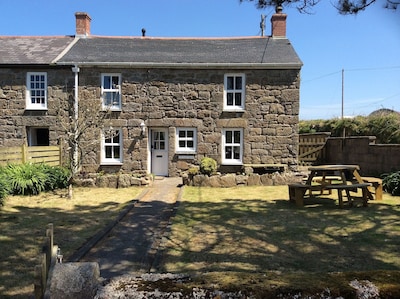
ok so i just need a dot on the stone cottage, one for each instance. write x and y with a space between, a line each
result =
164 103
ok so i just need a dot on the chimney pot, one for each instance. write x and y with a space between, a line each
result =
278 23
82 23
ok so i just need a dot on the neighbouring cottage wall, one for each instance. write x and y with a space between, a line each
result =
15 119
194 98
373 159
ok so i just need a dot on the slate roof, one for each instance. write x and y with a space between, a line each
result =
31 50
262 52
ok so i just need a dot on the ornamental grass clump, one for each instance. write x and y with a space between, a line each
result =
31 179
26 179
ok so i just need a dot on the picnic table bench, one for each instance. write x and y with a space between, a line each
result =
329 177
298 190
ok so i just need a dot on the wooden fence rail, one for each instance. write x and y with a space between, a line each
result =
36 154
50 255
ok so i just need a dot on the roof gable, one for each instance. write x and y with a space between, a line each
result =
31 50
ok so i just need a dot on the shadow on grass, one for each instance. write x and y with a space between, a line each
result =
22 232
260 235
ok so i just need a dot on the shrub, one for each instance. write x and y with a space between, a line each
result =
26 179
56 176
391 183
193 170
208 165
4 185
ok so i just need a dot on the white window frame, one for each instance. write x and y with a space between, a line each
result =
232 144
36 90
114 90
109 141
185 149
235 90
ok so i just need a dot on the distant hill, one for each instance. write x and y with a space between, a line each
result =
383 111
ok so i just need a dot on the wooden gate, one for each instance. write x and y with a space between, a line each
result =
311 147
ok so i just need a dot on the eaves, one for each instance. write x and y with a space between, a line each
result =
154 65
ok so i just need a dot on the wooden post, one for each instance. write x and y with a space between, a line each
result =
24 153
49 245
38 283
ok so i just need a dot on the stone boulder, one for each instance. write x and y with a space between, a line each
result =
74 281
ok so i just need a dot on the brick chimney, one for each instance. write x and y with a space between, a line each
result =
278 23
82 24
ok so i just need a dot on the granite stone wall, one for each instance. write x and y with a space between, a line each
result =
164 98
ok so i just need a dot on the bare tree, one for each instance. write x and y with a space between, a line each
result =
82 133
343 6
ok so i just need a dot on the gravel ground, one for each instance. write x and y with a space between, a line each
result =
147 286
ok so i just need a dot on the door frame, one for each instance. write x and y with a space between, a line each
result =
165 166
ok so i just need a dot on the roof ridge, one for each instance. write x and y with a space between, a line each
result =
176 38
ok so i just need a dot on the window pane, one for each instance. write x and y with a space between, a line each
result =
182 133
116 152
190 134
190 143
116 137
228 137
162 145
182 144
238 99
237 137
107 82
236 153
162 136
229 83
238 83
229 99
115 82
228 152
108 150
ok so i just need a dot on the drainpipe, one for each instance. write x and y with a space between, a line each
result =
74 169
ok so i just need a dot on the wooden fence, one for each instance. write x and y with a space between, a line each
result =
49 256
311 147
36 154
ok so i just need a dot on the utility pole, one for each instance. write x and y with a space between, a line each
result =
344 128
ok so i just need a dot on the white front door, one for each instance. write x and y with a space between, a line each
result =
159 152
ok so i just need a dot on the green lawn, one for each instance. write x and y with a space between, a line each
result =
24 221
257 230
249 236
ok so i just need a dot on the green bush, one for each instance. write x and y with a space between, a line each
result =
391 183
56 177
31 179
384 126
208 165
26 179
4 185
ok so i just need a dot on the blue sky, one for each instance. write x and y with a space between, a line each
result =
366 46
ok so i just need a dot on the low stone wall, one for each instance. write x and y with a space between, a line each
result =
232 180
117 180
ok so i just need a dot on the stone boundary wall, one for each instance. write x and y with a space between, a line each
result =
233 180
373 159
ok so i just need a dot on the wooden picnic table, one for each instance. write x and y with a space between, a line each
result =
329 177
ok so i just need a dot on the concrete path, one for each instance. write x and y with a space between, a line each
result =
131 245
